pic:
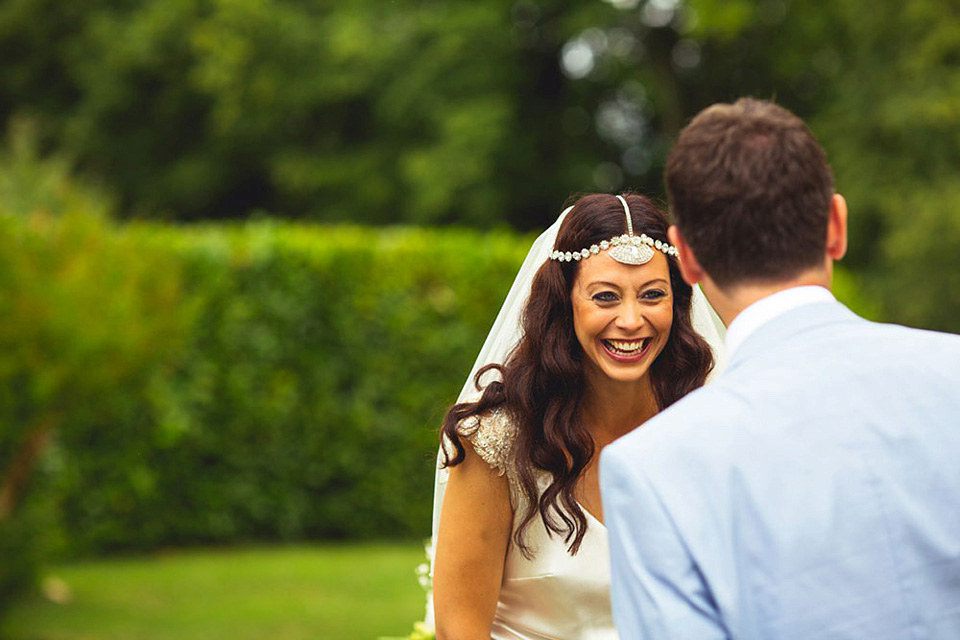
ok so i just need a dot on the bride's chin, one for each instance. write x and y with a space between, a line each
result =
618 372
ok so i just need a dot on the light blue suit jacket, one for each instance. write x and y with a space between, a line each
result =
812 491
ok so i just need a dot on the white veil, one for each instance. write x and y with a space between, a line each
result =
505 334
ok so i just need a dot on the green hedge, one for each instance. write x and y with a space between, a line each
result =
304 397
263 381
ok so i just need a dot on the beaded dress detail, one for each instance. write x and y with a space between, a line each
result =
492 438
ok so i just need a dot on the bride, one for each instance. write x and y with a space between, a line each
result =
598 334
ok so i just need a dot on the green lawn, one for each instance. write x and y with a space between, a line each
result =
330 592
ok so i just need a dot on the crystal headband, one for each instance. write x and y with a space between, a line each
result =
626 248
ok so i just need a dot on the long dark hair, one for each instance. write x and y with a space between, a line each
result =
542 379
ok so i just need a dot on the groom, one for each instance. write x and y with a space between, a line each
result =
812 491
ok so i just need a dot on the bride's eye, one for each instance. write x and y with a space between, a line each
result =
654 294
605 297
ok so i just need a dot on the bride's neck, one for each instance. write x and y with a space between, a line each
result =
611 410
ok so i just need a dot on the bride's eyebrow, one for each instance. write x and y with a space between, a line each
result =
650 282
603 283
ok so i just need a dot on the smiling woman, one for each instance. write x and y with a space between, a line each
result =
606 341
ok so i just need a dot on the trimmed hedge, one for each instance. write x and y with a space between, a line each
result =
305 399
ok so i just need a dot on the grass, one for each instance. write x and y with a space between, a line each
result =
331 592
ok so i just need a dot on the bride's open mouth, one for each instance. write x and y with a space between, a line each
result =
626 350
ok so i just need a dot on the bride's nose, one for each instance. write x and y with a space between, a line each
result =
630 316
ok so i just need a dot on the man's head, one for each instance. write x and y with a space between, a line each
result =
751 193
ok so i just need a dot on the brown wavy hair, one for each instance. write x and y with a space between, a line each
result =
542 381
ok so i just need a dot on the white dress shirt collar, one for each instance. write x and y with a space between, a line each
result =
766 309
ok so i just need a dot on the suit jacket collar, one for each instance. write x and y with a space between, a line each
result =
786 326
766 309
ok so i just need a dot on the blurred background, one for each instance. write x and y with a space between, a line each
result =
250 248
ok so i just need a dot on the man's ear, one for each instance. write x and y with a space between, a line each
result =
837 228
690 269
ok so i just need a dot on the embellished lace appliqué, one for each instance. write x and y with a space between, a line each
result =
492 436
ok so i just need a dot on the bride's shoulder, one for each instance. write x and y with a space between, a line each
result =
492 434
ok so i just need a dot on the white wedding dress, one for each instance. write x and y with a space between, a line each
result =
553 595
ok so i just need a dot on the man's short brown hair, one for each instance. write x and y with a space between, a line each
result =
750 191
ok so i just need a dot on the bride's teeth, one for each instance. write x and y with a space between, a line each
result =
626 346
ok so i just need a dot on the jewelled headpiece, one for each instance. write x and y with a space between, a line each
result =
626 248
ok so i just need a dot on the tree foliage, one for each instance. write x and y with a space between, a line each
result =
365 111
893 128
490 112
473 112
82 331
